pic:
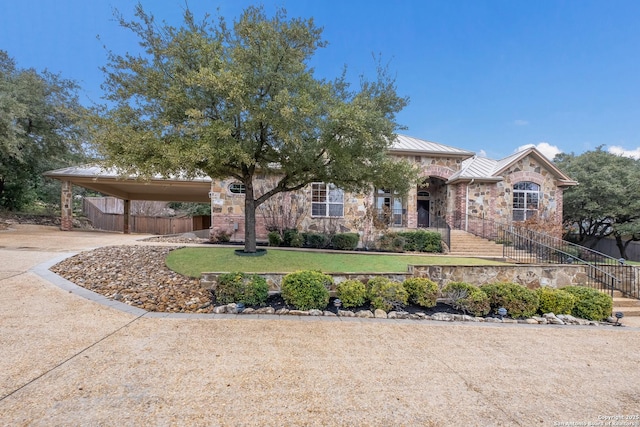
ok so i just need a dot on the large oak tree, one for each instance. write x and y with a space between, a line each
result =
240 101
606 202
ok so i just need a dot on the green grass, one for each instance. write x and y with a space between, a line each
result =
194 261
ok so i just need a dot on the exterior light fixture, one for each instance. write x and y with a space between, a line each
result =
240 307
502 312
619 315
337 304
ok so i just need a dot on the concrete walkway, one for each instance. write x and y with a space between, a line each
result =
68 360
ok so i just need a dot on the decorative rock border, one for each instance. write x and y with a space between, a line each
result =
545 319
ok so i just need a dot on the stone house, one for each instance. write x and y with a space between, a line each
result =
454 184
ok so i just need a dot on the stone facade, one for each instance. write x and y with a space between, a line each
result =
441 193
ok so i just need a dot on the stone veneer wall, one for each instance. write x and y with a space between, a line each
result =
531 276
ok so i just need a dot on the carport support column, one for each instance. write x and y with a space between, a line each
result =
66 207
127 208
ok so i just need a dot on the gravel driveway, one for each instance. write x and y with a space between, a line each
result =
66 360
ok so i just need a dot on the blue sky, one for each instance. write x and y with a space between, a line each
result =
488 76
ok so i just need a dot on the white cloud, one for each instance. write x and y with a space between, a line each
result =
482 153
545 148
619 151
520 122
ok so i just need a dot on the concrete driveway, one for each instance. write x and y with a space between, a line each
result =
67 360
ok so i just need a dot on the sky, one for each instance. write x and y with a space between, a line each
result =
488 76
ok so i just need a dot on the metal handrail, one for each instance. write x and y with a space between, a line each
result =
525 245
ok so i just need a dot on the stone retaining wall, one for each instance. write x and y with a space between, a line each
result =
531 276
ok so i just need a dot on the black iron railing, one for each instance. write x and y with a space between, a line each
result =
439 225
528 246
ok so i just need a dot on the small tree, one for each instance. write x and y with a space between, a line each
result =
241 101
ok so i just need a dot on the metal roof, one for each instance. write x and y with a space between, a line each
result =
108 181
404 143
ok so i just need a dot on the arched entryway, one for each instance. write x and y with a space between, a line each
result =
430 201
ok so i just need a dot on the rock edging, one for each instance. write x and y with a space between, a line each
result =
545 319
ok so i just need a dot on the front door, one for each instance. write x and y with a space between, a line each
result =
423 213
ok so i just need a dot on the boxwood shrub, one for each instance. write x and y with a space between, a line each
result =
590 303
467 297
386 294
240 287
352 293
555 301
422 241
345 241
316 240
422 291
518 300
306 289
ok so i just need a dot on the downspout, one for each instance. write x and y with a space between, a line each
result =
466 206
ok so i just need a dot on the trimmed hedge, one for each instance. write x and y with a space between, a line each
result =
555 301
306 289
518 300
422 291
316 240
467 297
352 293
345 241
590 303
411 241
386 294
240 287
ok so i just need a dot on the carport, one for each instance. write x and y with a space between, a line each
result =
111 183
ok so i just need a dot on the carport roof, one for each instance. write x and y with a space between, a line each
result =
109 182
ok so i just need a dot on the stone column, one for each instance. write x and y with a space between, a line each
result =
66 207
127 208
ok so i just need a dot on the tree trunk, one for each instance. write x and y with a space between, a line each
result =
621 246
249 218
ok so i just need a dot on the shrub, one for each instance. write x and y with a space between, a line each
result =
240 287
306 289
468 298
590 303
352 293
386 294
518 300
555 301
422 241
275 239
316 240
345 241
422 291
220 236
391 242
291 237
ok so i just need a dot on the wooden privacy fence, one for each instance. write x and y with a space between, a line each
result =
140 223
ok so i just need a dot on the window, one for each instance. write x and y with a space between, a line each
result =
237 188
326 200
389 207
525 200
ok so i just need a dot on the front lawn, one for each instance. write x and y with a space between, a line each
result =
194 261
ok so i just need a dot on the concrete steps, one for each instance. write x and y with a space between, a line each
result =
467 244
629 306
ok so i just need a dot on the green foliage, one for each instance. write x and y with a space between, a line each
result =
275 239
306 289
240 287
237 100
422 291
345 241
40 129
607 202
555 301
292 238
316 240
391 242
192 208
590 303
352 293
467 297
386 294
421 241
518 300
411 241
